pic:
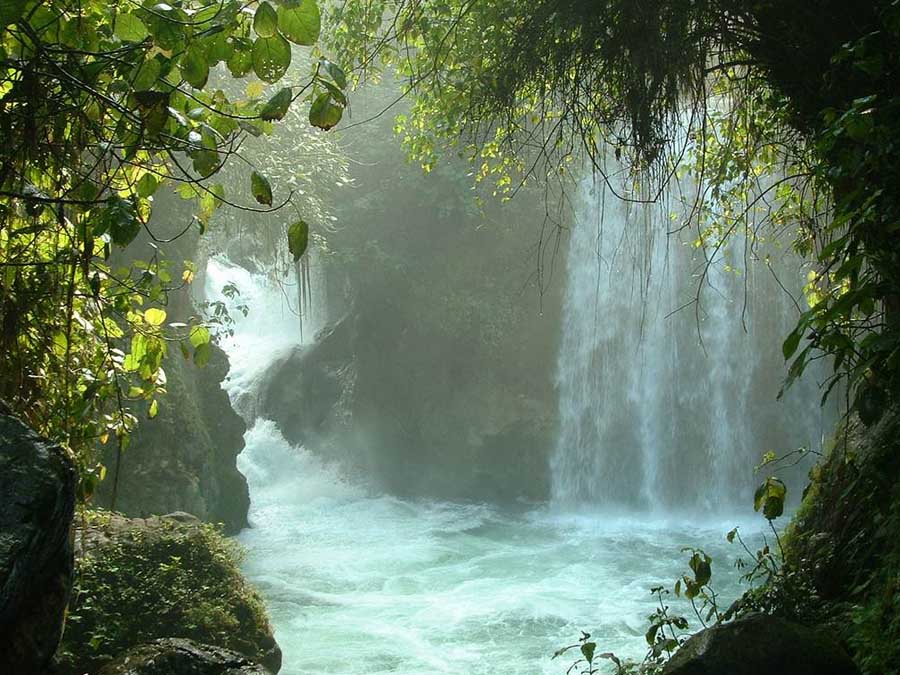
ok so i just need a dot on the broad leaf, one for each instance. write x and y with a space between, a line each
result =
298 239
271 58
201 354
277 106
335 72
265 21
241 60
129 28
301 23
324 113
155 316
770 498
194 67
10 11
199 335
791 343
259 186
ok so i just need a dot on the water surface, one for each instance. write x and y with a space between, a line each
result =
360 583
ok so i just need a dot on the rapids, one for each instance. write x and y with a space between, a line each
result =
360 582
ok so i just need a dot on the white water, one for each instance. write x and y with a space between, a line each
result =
363 583
664 408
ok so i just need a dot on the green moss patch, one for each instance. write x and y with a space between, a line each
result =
141 579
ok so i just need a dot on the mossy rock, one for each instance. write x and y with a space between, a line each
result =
845 540
138 580
173 656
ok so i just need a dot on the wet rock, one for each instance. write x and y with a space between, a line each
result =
759 643
186 458
173 656
190 587
37 502
414 431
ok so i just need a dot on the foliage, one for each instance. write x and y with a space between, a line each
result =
843 544
163 580
101 103
784 114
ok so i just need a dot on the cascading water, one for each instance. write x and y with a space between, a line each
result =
665 403
362 582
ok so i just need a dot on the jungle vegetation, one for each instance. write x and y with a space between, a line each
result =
785 114
101 104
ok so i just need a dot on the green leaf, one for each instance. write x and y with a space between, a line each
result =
220 49
335 72
11 11
147 185
324 113
194 67
153 108
791 343
201 354
271 58
206 157
701 566
199 335
145 74
770 498
118 218
265 21
129 28
302 23
154 409
154 316
241 60
298 239
587 650
259 186
166 25
277 106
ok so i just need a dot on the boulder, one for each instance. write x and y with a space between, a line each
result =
37 488
145 579
414 431
174 656
759 643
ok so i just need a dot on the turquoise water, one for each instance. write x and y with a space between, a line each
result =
361 583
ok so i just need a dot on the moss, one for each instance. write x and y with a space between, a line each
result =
846 539
137 580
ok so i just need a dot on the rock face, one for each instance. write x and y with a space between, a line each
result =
37 488
185 459
423 429
845 539
169 576
172 656
756 644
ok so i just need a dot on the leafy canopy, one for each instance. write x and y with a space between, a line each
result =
784 113
102 104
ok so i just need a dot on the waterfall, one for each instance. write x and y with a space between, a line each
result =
662 407
272 325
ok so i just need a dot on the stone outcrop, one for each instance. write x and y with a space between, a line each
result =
185 459
37 488
171 656
423 429
171 576
758 643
